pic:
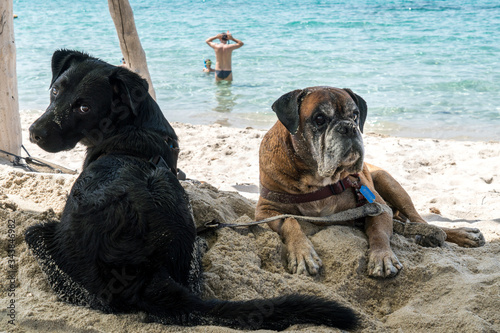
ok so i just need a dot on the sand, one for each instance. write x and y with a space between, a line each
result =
446 289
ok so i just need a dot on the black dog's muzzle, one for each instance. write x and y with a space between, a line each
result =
37 133
47 134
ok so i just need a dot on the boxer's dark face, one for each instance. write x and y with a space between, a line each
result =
330 123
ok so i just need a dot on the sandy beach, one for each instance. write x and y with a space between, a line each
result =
445 289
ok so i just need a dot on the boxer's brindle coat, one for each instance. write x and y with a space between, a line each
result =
316 142
126 239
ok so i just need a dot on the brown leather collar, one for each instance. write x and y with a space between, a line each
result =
322 193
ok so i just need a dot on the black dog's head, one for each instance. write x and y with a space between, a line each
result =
326 125
89 100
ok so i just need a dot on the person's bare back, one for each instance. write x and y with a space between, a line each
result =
223 52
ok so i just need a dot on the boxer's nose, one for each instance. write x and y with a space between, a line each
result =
346 128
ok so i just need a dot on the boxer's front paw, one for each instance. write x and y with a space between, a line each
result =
302 259
383 264
466 237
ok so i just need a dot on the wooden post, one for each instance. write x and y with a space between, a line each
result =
130 44
10 121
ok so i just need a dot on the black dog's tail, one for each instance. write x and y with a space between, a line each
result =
273 313
282 312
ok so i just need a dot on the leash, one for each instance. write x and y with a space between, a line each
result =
433 235
36 162
365 206
341 218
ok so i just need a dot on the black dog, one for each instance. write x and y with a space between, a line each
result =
126 239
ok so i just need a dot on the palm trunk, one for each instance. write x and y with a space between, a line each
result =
130 44
10 121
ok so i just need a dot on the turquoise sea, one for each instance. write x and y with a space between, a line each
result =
426 68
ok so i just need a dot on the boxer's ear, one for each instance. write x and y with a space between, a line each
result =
287 110
363 110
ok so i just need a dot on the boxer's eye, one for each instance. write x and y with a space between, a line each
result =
320 120
355 116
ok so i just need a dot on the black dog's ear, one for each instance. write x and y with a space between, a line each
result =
129 89
287 109
63 59
361 104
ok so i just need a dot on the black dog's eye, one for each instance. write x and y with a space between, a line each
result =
84 108
320 120
54 91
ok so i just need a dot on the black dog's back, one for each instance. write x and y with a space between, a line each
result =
124 221
126 239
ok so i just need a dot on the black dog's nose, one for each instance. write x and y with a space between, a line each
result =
346 127
36 134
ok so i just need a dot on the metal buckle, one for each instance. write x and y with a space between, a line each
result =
159 162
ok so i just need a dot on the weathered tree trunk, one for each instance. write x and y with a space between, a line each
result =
10 121
131 47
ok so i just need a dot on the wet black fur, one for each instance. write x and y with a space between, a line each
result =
126 241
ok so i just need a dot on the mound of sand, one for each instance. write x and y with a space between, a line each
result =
446 289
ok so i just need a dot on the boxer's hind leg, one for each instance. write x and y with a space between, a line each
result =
394 194
465 237
398 198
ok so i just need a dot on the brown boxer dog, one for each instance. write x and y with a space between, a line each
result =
311 164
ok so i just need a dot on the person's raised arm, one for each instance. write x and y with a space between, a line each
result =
238 44
210 40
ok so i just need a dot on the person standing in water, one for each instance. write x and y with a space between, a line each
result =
223 52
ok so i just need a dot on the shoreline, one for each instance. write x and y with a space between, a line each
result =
387 127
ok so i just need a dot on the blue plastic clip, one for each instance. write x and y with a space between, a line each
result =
367 194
